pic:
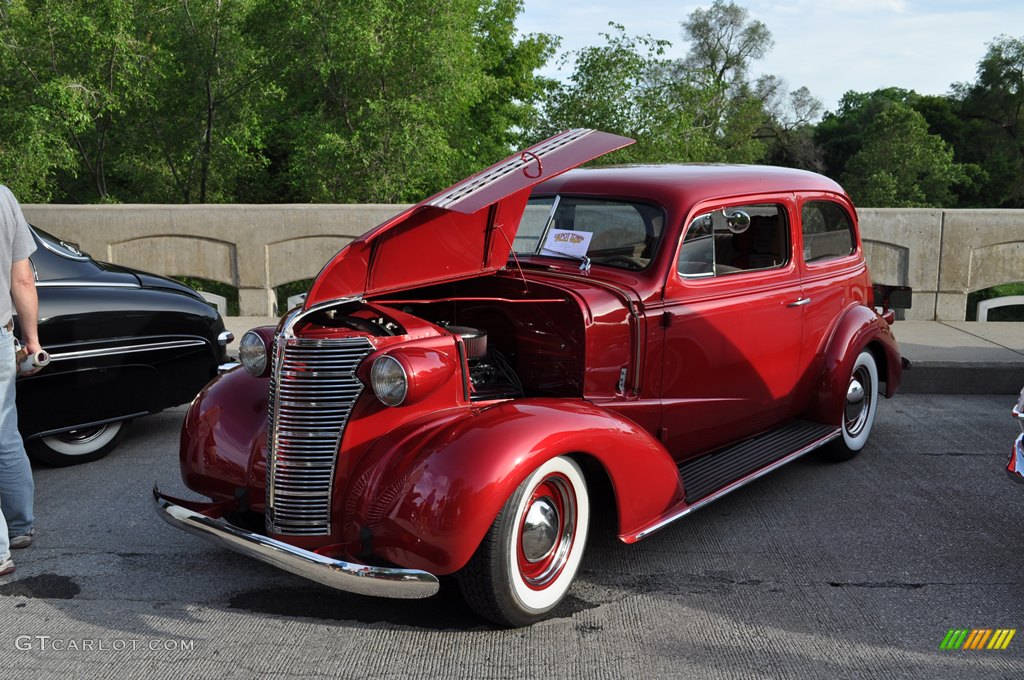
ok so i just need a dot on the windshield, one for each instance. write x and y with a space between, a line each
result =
616 233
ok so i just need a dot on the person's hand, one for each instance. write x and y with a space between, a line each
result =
32 347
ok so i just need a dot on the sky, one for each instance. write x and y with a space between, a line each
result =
829 46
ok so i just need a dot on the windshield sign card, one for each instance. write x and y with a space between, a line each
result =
566 242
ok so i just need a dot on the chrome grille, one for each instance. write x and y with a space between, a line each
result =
312 389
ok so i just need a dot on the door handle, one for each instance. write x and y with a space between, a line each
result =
799 303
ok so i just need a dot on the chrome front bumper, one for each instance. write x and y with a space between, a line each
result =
354 578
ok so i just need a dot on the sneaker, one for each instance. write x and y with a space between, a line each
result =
23 541
6 567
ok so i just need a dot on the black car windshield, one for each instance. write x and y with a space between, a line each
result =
616 233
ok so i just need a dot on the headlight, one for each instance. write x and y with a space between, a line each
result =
389 381
252 352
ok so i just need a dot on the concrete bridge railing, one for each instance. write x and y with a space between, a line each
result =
943 254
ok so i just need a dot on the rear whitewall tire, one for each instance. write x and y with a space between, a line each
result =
859 409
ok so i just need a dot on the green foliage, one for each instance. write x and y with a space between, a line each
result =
1010 313
391 100
901 165
701 108
287 290
228 292
73 72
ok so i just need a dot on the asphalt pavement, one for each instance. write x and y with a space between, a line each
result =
818 570
851 570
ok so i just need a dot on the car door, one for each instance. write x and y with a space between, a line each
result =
733 321
832 272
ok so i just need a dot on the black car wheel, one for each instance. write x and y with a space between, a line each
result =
78 446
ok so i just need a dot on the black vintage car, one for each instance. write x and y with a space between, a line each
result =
123 344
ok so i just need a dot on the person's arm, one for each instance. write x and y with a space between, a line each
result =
23 292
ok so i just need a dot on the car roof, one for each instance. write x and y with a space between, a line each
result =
679 186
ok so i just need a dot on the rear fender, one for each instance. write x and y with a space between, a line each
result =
425 498
859 328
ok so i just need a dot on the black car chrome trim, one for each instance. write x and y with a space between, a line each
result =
126 349
94 423
348 576
85 284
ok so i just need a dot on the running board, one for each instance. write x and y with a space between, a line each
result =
713 475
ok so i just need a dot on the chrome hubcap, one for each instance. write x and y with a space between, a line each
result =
540 530
546 531
83 436
858 402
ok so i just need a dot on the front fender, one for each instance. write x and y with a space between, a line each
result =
425 498
223 437
859 328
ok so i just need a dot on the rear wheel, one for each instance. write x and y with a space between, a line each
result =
530 556
82 445
858 409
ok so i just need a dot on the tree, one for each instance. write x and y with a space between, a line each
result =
992 110
205 128
73 69
724 40
382 100
626 87
901 165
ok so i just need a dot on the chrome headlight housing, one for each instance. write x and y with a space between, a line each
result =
389 380
253 353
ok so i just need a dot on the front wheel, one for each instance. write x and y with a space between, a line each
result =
529 557
858 409
73 447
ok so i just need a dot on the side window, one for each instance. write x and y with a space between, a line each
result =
737 239
828 231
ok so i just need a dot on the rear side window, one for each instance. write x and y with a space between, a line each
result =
734 240
828 231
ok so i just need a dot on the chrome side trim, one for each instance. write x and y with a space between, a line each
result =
61 430
347 576
84 284
126 349
737 484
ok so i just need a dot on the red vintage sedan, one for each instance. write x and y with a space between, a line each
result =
466 381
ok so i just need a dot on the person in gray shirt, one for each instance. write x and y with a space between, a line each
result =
17 292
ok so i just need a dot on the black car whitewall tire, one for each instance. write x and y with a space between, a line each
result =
83 445
530 556
859 408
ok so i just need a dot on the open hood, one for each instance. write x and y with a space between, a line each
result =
463 231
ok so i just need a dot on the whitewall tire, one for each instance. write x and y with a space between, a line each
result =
529 558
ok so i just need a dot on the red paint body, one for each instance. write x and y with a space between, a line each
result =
633 371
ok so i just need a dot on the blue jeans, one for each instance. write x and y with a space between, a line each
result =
16 486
